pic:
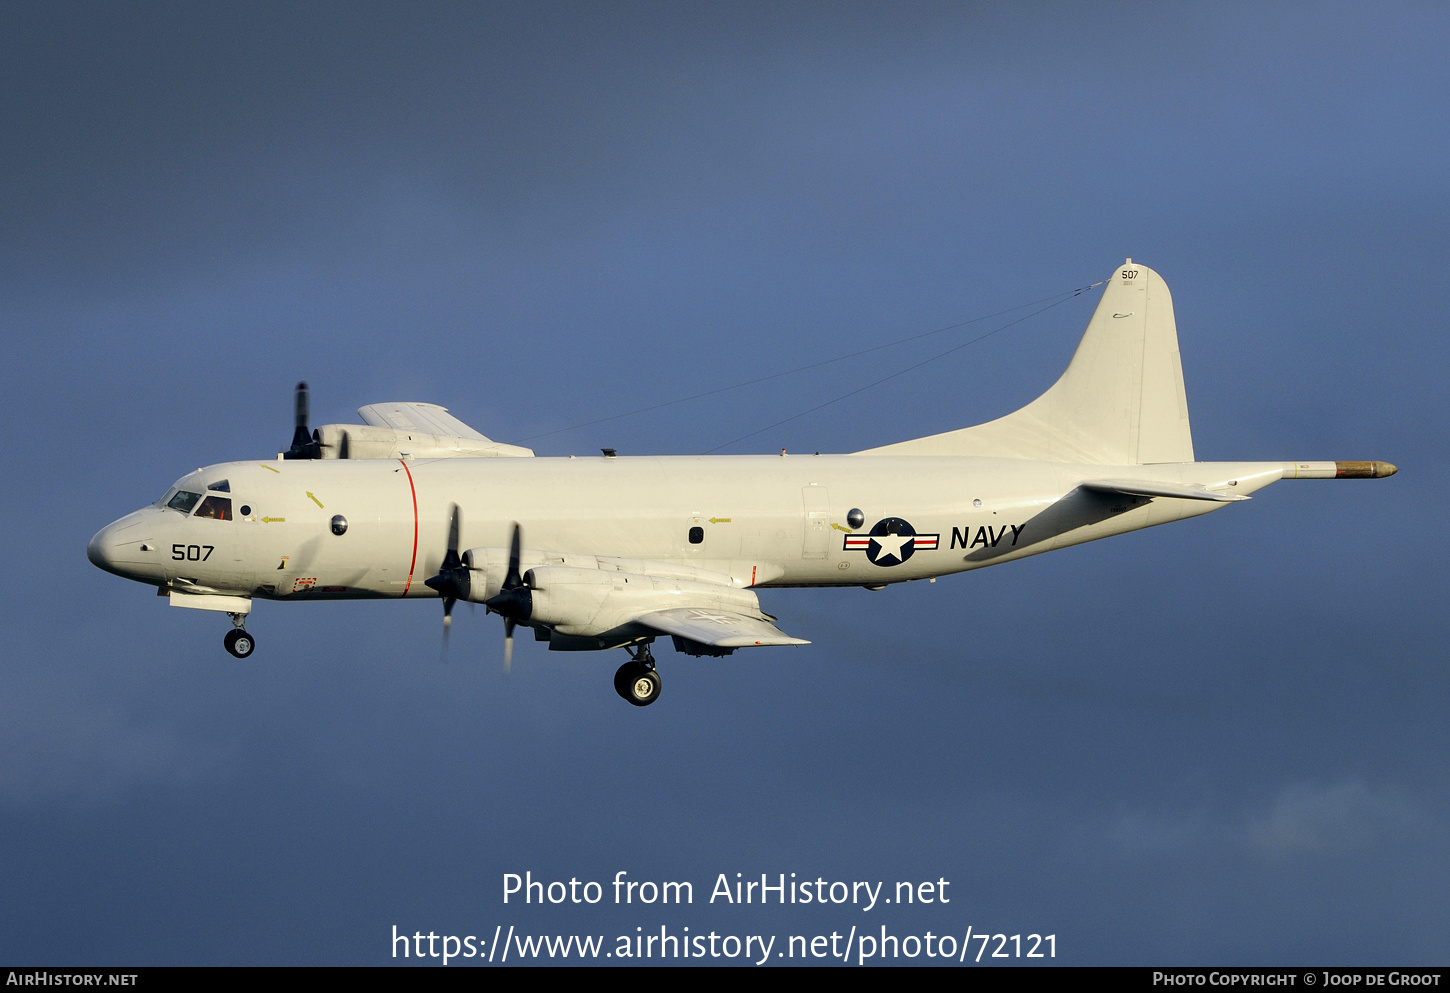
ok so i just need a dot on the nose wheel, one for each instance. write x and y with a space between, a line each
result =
238 641
637 681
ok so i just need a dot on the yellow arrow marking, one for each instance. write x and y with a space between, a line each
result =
265 466
316 501
839 528
719 520
273 520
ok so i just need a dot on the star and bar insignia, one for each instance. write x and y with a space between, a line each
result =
891 541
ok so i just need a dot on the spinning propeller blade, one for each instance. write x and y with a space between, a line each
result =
513 602
304 446
452 581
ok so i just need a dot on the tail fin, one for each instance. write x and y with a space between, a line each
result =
1120 402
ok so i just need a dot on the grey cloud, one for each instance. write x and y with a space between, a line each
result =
1312 818
1302 819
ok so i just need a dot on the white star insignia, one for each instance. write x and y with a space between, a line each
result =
701 615
891 545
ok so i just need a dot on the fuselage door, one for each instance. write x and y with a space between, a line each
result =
817 503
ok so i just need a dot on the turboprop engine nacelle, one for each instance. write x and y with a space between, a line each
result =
589 602
487 567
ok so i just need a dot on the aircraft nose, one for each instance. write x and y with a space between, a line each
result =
102 548
114 548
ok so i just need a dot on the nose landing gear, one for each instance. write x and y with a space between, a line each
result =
238 641
637 681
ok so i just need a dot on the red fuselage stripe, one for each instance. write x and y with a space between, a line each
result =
413 564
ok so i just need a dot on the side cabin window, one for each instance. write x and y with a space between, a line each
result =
217 508
183 501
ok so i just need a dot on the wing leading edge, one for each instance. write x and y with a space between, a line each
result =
408 429
428 418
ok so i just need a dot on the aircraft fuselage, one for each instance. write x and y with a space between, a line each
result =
765 521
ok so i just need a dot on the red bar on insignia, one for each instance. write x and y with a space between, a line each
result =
926 542
857 541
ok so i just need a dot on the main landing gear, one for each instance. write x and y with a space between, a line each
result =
238 641
637 680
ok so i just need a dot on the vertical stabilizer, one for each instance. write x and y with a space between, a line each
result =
1120 402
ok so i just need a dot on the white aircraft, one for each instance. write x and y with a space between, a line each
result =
614 552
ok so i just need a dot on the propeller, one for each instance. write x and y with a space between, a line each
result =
304 446
514 602
452 581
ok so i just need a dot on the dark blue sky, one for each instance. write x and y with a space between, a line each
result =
1219 741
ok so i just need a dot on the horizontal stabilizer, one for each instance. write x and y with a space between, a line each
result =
718 628
1153 488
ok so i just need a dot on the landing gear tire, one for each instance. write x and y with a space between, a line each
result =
637 684
622 677
239 643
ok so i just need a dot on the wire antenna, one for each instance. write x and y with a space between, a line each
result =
1056 297
910 368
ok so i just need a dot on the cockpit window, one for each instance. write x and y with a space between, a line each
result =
221 486
183 501
215 507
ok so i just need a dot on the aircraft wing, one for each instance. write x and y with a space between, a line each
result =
717 628
1156 488
428 418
